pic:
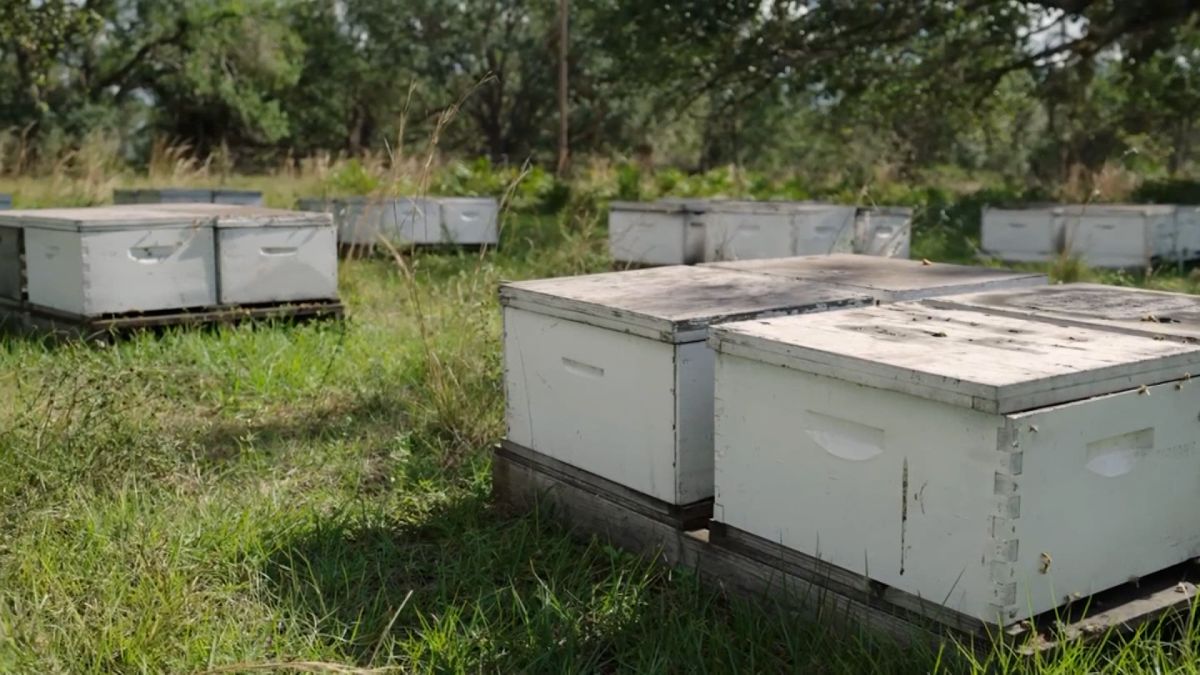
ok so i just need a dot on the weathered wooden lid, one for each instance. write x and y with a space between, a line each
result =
991 363
1130 310
103 218
242 216
142 216
775 207
672 304
888 279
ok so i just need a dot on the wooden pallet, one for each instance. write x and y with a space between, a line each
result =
43 320
360 251
748 566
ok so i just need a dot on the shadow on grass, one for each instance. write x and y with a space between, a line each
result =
466 588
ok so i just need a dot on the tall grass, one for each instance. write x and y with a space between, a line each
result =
316 498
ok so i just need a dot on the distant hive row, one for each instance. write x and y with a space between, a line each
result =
112 260
689 231
1100 235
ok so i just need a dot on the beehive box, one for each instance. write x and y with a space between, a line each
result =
738 230
1122 236
656 233
998 466
610 372
269 255
1187 220
5 202
1129 310
1031 234
883 231
468 221
889 279
115 259
188 196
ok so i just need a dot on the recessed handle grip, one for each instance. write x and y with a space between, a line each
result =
582 369
149 255
277 251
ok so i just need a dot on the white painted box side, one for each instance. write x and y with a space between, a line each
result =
54 269
884 233
1188 227
694 363
469 221
1111 239
412 221
240 197
648 237
824 231
1022 235
729 235
277 264
598 399
148 270
358 222
1109 489
883 484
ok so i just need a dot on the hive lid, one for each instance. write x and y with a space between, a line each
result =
995 364
774 207
672 304
1130 310
243 216
105 218
888 279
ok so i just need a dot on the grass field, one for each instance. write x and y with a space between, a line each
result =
279 498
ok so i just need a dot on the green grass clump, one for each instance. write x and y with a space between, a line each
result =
275 498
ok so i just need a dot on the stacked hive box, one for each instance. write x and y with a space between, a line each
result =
609 373
188 196
1102 235
122 259
364 221
675 232
5 202
999 466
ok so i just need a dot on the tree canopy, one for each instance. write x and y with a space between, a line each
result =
1013 87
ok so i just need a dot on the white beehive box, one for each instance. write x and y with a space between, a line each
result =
116 259
399 220
269 255
883 231
1034 234
1121 236
5 202
655 233
468 221
889 279
1187 220
1129 310
996 465
747 230
610 372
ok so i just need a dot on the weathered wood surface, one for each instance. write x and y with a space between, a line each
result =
750 567
1134 311
674 303
680 516
889 279
995 364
